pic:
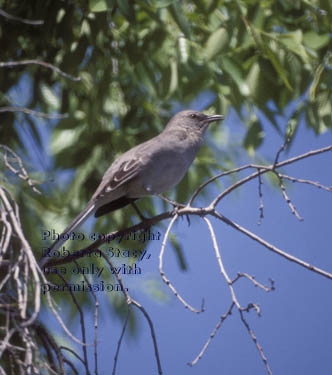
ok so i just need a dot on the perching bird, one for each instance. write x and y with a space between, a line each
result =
153 167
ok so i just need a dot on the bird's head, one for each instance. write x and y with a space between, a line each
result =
192 120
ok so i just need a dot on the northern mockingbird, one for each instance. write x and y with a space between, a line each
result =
151 168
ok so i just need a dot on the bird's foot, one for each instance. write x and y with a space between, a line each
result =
175 204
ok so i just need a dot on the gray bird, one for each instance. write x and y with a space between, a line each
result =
151 168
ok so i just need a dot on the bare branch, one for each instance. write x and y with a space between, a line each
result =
21 171
263 169
19 19
72 352
234 298
256 283
212 335
82 323
299 180
153 335
15 221
11 64
120 341
258 346
130 301
289 133
216 177
32 112
221 266
287 199
162 273
96 314
271 247
43 332
260 195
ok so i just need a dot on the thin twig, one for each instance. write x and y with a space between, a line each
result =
96 314
153 334
71 365
72 352
120 341
271 247
12 213
255 282
234 298
283 146
11 64
258 346
287 199
212 335
162 273
309 182
216 177
20 19
260 195
32 112
21 172
82 323
130 301
221 265
265 169
41 330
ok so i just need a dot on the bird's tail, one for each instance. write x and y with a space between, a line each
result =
80 219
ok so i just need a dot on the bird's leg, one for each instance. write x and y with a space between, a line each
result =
142 217
176 205
173 203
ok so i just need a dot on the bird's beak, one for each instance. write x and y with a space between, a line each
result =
214 118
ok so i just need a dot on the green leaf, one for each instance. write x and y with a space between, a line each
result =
82 173
235 71
277 66
254 137
160 3
253 79
317 76
126 8
64 139
145 78
181 19
178 251
316 41
100 5
49 97
85 28
183 49
174 77
217 43
312 117
293 42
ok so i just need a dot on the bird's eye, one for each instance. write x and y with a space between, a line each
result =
193 115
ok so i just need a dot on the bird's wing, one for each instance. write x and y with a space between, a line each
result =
125 168
118 174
